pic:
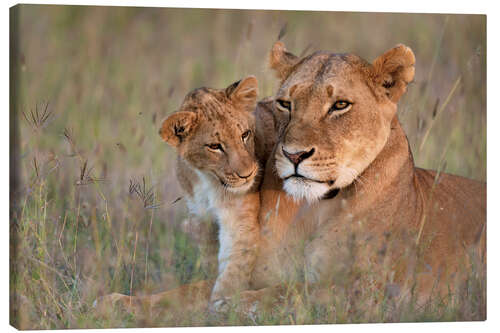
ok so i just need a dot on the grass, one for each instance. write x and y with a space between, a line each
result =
94 208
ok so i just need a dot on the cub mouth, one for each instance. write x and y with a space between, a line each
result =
243 185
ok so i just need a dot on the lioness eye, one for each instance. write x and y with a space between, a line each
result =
284 104
215 146
339 105
245 135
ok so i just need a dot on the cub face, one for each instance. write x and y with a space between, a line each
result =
213 131
333 115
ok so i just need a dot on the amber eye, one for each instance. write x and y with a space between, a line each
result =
215 146
339 105
245 135
284 104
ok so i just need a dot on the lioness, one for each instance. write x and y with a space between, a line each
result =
341 192
350 181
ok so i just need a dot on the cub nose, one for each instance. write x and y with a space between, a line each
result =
297 157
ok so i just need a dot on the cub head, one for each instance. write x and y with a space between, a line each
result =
333 114
213 131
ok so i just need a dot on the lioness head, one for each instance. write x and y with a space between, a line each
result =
333 113
213 132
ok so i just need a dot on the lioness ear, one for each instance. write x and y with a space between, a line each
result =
394 70
244 93
177 127
282 61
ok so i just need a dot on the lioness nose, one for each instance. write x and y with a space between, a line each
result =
298 157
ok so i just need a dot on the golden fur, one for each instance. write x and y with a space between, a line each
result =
341 177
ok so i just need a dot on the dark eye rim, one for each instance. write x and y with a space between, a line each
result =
335 107
284 104
214 146
246 134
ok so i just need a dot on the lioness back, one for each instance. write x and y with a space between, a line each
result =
455 205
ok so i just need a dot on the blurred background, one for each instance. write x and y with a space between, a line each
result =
92 210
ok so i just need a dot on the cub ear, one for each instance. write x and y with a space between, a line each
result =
177 127
394 70
282 61
243 93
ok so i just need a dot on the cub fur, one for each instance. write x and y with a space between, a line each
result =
214 135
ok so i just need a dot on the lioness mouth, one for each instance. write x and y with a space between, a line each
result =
296 175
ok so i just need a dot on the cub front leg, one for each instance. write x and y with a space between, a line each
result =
239 242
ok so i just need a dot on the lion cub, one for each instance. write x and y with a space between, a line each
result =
213 133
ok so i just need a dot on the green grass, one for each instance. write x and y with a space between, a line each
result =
110 75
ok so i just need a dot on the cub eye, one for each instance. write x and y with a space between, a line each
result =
339 105
215 146
284 104
245 135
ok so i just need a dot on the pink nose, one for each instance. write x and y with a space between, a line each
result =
298 157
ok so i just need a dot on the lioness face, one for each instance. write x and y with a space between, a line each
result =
214 132
333 113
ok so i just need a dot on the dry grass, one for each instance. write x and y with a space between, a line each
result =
93 210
